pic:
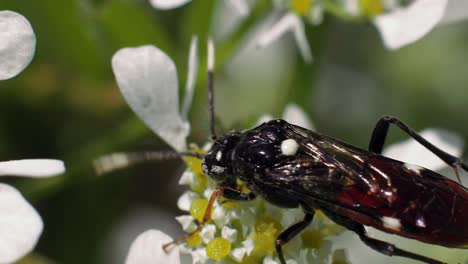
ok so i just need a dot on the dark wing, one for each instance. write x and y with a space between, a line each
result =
390 195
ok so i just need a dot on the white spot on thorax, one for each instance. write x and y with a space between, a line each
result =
219 155
289 147
391 223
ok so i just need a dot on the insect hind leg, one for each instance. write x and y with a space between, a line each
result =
290 233
378 245
379 134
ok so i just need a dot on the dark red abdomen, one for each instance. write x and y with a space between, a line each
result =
410 201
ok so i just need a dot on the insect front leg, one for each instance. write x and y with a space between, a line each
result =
291 232
380 134
233 194
206 217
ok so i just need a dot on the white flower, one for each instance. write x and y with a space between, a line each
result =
290 22
20 224
147 79
260 221
397 25
17 44
412 152
406 25
147 249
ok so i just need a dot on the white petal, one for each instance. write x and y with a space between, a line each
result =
315 16
229 234
269 260
241 6
168 4
20 225
187 222
185 200
187 178
289 22
147 249
264 119
17 44
295 115
32 167
199 256
208 192
351 7
191 77
238 254
249 245
219 216
455 11
406 25
207 233
412 152
147 78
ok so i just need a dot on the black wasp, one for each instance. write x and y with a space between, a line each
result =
290 166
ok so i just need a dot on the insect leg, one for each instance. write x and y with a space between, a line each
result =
380 134
378 245
233 194
206 217
291 232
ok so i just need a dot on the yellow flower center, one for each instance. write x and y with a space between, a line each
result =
371 7
194 240
266 231
218 248
301 7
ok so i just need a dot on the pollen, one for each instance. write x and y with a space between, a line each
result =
371 7
289 147
198 208
301 7
218 248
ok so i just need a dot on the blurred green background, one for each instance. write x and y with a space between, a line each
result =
67 105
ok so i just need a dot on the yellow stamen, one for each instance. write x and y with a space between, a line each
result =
301 7
371 7
194 240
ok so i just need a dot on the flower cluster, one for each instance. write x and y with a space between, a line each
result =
399 23
239 232
21 224
244 232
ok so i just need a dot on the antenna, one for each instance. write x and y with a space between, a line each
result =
120 160
211 59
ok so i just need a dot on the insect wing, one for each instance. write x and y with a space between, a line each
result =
387 194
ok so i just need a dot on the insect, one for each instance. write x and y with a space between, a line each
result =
290 166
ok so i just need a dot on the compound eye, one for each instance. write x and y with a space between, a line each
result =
213 165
